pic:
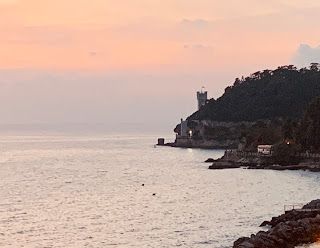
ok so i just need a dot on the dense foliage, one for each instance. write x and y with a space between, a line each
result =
267 133
265 95
285 154
309 130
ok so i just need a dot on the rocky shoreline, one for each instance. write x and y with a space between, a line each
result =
293 228
232 160
220 165
197 145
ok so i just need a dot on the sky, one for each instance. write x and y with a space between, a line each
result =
123 65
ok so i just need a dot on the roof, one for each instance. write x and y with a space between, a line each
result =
265 146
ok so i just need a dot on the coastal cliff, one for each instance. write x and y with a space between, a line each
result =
263 108
230 135
213 134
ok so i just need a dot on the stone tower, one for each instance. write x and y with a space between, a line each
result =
202 97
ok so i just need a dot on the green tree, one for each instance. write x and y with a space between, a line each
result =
265 95
284 154
309 133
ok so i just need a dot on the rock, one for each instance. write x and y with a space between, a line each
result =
209 160
219 165
243 242
265 223
244 162
252 161
315 204
292 215
287 230
314 169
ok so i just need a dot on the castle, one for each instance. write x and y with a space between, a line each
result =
202 98
185 135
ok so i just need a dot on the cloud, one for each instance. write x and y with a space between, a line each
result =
93 53
306 55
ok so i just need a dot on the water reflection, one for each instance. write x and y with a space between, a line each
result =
87 191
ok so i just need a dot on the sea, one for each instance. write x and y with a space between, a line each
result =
119 190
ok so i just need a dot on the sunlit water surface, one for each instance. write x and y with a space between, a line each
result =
66 191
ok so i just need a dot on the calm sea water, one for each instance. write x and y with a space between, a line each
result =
68 191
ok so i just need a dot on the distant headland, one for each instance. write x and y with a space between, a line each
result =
270 107
268 120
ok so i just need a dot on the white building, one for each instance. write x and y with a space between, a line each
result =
265 149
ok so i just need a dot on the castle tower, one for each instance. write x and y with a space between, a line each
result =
202 97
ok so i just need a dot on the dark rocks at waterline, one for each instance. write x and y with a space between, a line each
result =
258 164
166 144
229 163
304 167
293 215
295 227
251 160
218 165
209 160
284 235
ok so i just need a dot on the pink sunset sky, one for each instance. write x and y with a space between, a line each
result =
135 63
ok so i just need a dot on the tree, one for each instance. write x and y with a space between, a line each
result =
289 131
284 154
237 82
309 133
314 67
265 95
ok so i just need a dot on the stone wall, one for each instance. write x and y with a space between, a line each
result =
203 143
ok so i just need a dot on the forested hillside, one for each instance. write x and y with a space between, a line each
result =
265 95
